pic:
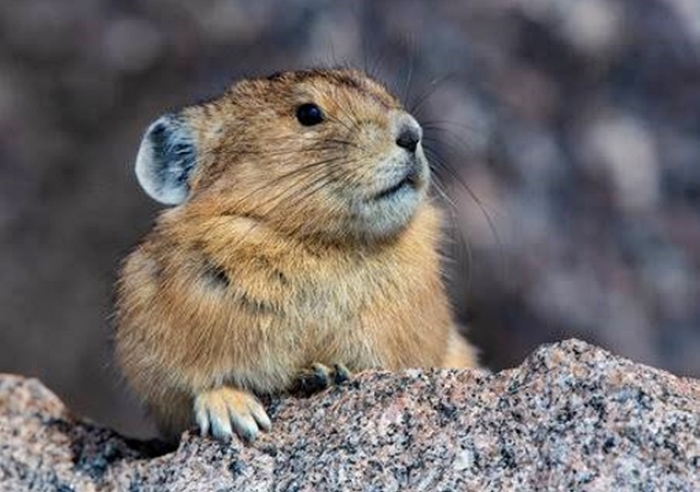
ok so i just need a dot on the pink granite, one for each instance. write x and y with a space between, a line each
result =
571 417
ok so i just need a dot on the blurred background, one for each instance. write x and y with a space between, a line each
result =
572 125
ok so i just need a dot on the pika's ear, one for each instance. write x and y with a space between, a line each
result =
166 159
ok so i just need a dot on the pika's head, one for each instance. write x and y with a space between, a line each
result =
327 153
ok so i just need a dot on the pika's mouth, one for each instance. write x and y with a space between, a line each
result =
410 180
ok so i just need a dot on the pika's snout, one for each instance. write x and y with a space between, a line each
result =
407 130
408 134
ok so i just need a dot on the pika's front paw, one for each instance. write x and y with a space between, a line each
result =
319 377
223 411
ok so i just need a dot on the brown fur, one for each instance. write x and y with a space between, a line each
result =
256 276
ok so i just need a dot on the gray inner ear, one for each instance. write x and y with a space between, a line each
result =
166 159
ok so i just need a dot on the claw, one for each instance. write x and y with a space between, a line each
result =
320 377
341 374
225 410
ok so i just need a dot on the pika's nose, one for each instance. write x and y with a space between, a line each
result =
408 139
409 133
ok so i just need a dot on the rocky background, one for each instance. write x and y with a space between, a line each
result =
571 128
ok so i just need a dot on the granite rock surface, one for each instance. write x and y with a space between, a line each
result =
571 417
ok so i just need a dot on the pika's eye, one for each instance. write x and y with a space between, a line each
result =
309 114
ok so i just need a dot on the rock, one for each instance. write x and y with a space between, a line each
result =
571 417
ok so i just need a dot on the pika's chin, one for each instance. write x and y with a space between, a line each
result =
390 214
388 211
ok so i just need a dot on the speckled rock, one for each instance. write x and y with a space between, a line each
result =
571 417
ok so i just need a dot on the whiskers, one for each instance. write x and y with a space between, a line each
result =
281 199
454 137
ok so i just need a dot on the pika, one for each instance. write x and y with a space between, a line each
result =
301 236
